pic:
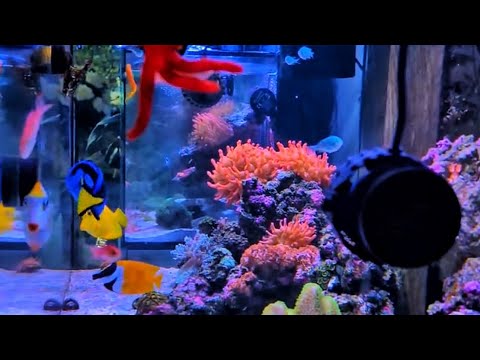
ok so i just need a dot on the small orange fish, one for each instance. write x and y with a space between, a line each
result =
32 126
131 81
184 173
108 254
454 170
130 277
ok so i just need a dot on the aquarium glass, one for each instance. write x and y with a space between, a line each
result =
219 206
47 162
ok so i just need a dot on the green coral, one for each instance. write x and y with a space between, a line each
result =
148 302
311 301
324 273
106 62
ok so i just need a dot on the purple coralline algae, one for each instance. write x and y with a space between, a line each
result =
359 287
364 287
459 162
210 263
461 292
282 198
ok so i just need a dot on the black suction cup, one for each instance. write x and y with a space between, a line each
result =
203 100
263 102
399 213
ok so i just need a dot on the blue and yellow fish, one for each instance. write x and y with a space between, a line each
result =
88 175
130 277
105 225
85 182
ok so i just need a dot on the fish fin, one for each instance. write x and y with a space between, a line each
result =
39 101
73 184
191 263
44 108
50 119
87 201
121 218
131 82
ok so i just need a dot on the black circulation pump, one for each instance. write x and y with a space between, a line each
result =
400 212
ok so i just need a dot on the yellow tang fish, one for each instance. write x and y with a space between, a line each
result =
130 277
7 218
108 225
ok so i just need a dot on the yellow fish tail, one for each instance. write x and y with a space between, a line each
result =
7 218
86 201
121 217
8 212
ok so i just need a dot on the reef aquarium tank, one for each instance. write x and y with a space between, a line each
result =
239 179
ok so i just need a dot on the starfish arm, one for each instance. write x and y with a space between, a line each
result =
203 65
191 83
147 88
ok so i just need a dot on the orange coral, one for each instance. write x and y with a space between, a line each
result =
286 247
284 253
238 164
267 260
304 162
250 160
296 234
454 170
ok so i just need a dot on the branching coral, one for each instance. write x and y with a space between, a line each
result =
249 160
311 301
206 262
